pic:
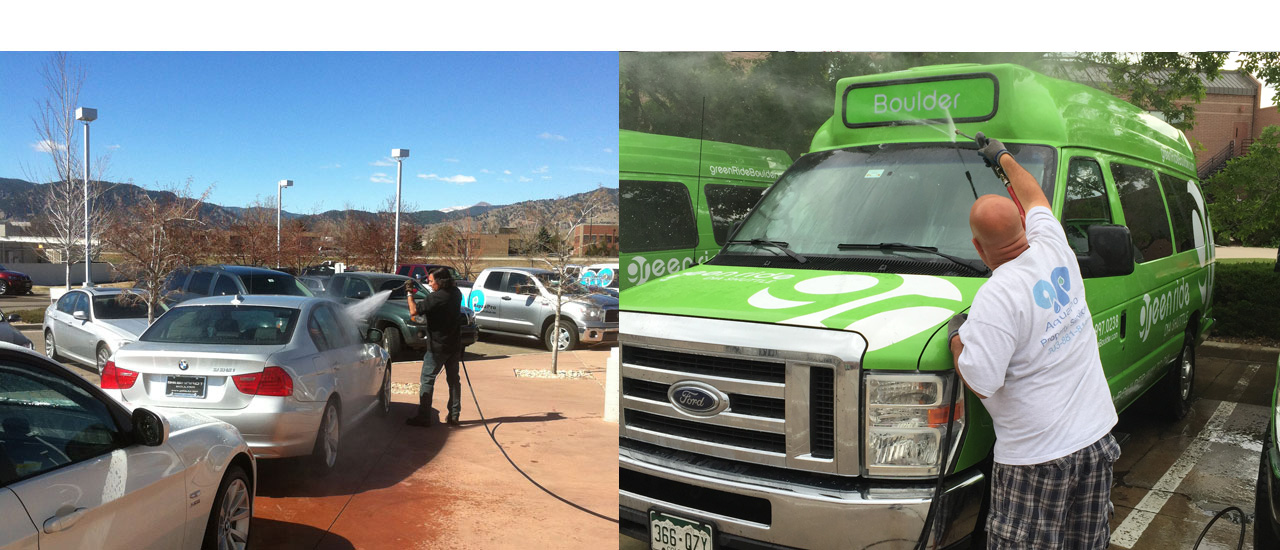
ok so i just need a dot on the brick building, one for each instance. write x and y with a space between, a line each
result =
586 235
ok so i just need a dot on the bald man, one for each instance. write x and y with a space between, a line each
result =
1027 348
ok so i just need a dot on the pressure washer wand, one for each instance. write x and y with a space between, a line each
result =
995 167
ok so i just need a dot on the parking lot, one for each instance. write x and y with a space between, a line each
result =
552 484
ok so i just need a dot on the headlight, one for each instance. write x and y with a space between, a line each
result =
592 312
906 423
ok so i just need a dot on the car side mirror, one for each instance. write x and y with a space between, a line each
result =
1110 252
80 315
14 318
374 336
149 428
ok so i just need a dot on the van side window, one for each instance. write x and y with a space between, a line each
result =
1086 202
658 215
729 204
1144 212
1180 209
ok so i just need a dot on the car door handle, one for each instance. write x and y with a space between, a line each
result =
63 521
507 298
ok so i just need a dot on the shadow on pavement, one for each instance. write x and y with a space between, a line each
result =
383 445
495 422
269 533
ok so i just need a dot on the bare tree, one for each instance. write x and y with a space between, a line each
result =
551 244
158 235
251 239
457 245
56 128
369 238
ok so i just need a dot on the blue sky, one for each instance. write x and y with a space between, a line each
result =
493 127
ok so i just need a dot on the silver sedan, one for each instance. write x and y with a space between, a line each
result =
78 470
88 325
291 372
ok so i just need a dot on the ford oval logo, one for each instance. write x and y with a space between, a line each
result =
697 398
182 365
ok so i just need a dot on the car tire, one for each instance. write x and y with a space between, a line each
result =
324 455
1179 383
392 341
50 347
384 395
1264 527
4 287
102 355
231 514
566 336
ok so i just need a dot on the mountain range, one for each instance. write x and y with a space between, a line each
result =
21 200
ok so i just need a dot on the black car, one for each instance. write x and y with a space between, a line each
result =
10 334
220 280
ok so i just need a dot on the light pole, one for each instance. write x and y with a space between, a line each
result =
399 155
86 115
279 194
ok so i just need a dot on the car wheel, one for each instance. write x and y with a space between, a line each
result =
1180 382
232 511
50 348
392 342
565 336
104 353
328 439
1264 526
4 286
384 396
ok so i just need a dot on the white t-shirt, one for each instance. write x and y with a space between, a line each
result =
1030 347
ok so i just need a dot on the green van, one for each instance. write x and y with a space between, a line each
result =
681 196
793 391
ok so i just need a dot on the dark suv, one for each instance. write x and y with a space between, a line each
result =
13 282
219 280
419 272
392 317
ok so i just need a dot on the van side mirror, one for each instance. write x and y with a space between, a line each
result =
1110 252
374 336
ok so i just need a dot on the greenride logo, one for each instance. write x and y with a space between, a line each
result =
956 100
1164 305
744 172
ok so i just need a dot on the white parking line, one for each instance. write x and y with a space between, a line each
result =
1131 529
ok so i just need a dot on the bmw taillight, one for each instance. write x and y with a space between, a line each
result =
272 382
116 378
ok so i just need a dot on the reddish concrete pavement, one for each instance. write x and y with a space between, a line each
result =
450 487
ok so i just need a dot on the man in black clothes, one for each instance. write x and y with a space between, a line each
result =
442 309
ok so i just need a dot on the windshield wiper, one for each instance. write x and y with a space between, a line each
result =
979 268
778 245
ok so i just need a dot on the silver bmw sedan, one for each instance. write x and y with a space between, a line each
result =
87 325
290 372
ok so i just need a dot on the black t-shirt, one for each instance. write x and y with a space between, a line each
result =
442 309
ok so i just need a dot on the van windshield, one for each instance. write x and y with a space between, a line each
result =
863 197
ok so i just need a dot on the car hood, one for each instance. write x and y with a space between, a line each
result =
897 314
129 328
12 335
19 274
599 300
180 419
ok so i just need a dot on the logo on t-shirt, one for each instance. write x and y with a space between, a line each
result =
1053 293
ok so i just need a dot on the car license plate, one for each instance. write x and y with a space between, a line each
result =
675 533
184 386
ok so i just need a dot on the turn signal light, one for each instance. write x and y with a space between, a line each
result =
116 378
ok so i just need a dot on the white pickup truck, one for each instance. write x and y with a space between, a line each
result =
520 301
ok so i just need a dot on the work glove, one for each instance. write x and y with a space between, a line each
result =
990 149
953 326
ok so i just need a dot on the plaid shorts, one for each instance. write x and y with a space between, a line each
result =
1063 503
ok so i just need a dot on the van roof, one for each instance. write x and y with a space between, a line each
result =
659 154
1028 107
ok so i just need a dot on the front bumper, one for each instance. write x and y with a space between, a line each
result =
19 286
597 332
756 513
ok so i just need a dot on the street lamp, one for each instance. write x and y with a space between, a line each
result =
399 155
86 115
279 189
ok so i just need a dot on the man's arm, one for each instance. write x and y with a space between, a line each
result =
957 347
1023 185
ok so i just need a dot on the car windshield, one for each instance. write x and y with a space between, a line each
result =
271 283
852 201
224 324
396 286
119 306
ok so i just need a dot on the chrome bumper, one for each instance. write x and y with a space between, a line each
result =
881 516
594 333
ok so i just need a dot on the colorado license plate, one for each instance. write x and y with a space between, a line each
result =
184 386
675 533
